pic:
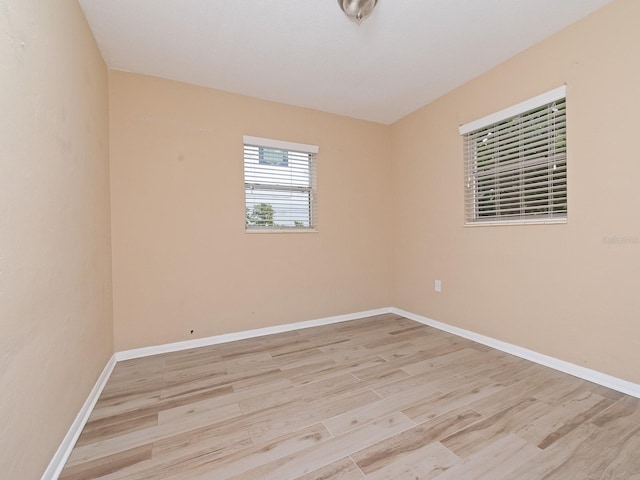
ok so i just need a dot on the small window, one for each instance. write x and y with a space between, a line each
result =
515 163
279 185
273 156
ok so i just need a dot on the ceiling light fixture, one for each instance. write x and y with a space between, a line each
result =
357 10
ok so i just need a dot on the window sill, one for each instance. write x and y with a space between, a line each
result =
494 223
280 230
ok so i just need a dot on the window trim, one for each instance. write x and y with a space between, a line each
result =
514 110
279 144
498 117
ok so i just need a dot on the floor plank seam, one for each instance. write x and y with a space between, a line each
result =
374 398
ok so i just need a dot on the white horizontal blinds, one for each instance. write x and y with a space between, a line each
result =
516 168
279 186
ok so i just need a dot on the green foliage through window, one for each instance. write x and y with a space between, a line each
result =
260 215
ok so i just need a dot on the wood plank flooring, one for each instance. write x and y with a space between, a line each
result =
377 398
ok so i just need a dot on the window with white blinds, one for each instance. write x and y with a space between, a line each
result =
279 185
515 163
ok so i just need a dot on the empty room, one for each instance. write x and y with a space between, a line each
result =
353 239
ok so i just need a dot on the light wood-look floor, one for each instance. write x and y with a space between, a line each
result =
377 398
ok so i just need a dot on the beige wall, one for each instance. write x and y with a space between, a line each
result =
55 291
557 289
183 262
181 258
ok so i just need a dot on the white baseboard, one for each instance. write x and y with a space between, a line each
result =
584 373
62 454
232 337
68 442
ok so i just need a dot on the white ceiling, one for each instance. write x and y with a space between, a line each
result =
307 53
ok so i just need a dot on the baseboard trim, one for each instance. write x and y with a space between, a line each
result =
232 337
62 454
584 373
68 442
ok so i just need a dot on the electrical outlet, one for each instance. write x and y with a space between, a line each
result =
438 286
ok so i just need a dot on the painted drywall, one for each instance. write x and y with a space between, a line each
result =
55 280
571 290
181 258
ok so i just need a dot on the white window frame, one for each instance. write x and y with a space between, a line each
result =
275 180
513 177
